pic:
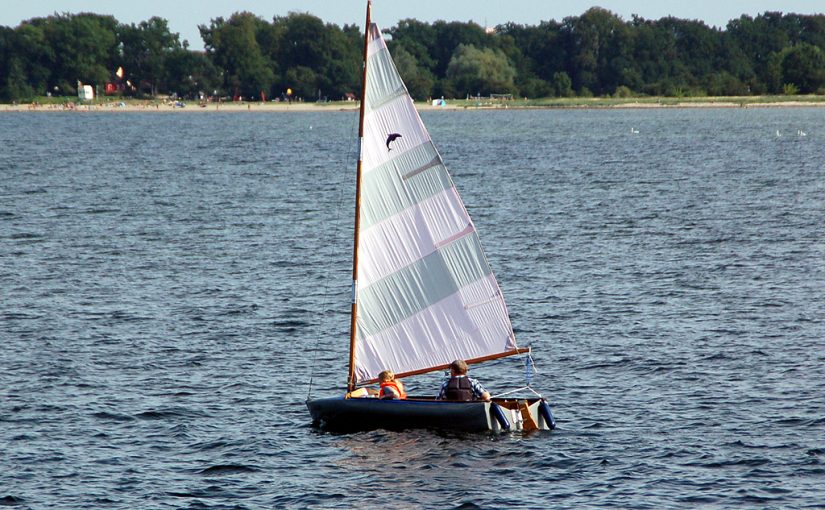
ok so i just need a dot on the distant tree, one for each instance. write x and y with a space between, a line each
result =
734 60
15 86
595 39
233 47
596 53
540 51
145 52
623 91
35 59
188 73
448 36
485 71
304 82
803 65
654 52
419 80
342 72
19 67
304 43
759 38
725 84
7 36
419 39
697 45
533 87
84 47
811 29
562 85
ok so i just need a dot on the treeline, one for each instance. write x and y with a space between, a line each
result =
597 53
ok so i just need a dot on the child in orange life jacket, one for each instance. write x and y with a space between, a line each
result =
390 388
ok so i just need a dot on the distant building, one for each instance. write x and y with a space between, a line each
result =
85 92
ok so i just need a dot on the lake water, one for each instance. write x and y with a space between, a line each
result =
170 282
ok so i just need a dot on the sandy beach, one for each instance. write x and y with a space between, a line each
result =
114 106
595 103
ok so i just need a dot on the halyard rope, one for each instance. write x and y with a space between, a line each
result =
332 247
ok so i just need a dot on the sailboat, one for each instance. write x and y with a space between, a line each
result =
423 291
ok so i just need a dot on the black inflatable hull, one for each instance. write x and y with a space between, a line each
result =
356 414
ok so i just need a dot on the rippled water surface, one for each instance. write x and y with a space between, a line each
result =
169 283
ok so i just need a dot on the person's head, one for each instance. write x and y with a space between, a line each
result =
386 376
458 367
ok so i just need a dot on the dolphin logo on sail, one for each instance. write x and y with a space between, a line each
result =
391 138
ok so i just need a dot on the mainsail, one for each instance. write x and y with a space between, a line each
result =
425 293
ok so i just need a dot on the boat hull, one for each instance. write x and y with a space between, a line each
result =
357 414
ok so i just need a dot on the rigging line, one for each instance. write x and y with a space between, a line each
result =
332 246
529 364
525 388
526 359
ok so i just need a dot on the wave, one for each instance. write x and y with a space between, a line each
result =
10 500
227 469
109 416
164 414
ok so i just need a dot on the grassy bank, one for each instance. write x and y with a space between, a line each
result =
643 102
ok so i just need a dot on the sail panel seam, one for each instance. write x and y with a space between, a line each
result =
469 229
388 193
421 284
436 161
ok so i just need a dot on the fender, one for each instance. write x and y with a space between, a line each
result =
498 414
547 414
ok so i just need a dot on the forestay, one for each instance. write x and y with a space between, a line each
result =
425 292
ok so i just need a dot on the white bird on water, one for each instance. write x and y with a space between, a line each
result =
634 131
801 133
778 134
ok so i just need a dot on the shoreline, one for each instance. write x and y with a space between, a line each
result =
589 104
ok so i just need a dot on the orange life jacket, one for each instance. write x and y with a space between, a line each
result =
396 385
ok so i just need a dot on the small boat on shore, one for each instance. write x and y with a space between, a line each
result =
423 291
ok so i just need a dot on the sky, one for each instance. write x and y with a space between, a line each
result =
184 16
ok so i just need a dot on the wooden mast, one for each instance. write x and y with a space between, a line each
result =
353 331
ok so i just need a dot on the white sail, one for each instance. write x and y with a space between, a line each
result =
425 293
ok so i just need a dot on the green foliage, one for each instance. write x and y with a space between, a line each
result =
36 58
7 37
146 54
234 45
303 81
595 53
15 86
448 36
623 92
804 66
534 87
188 74
601 50
84 46
481 71
725 84
419 80
562 85
317 60
789 89
418 39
